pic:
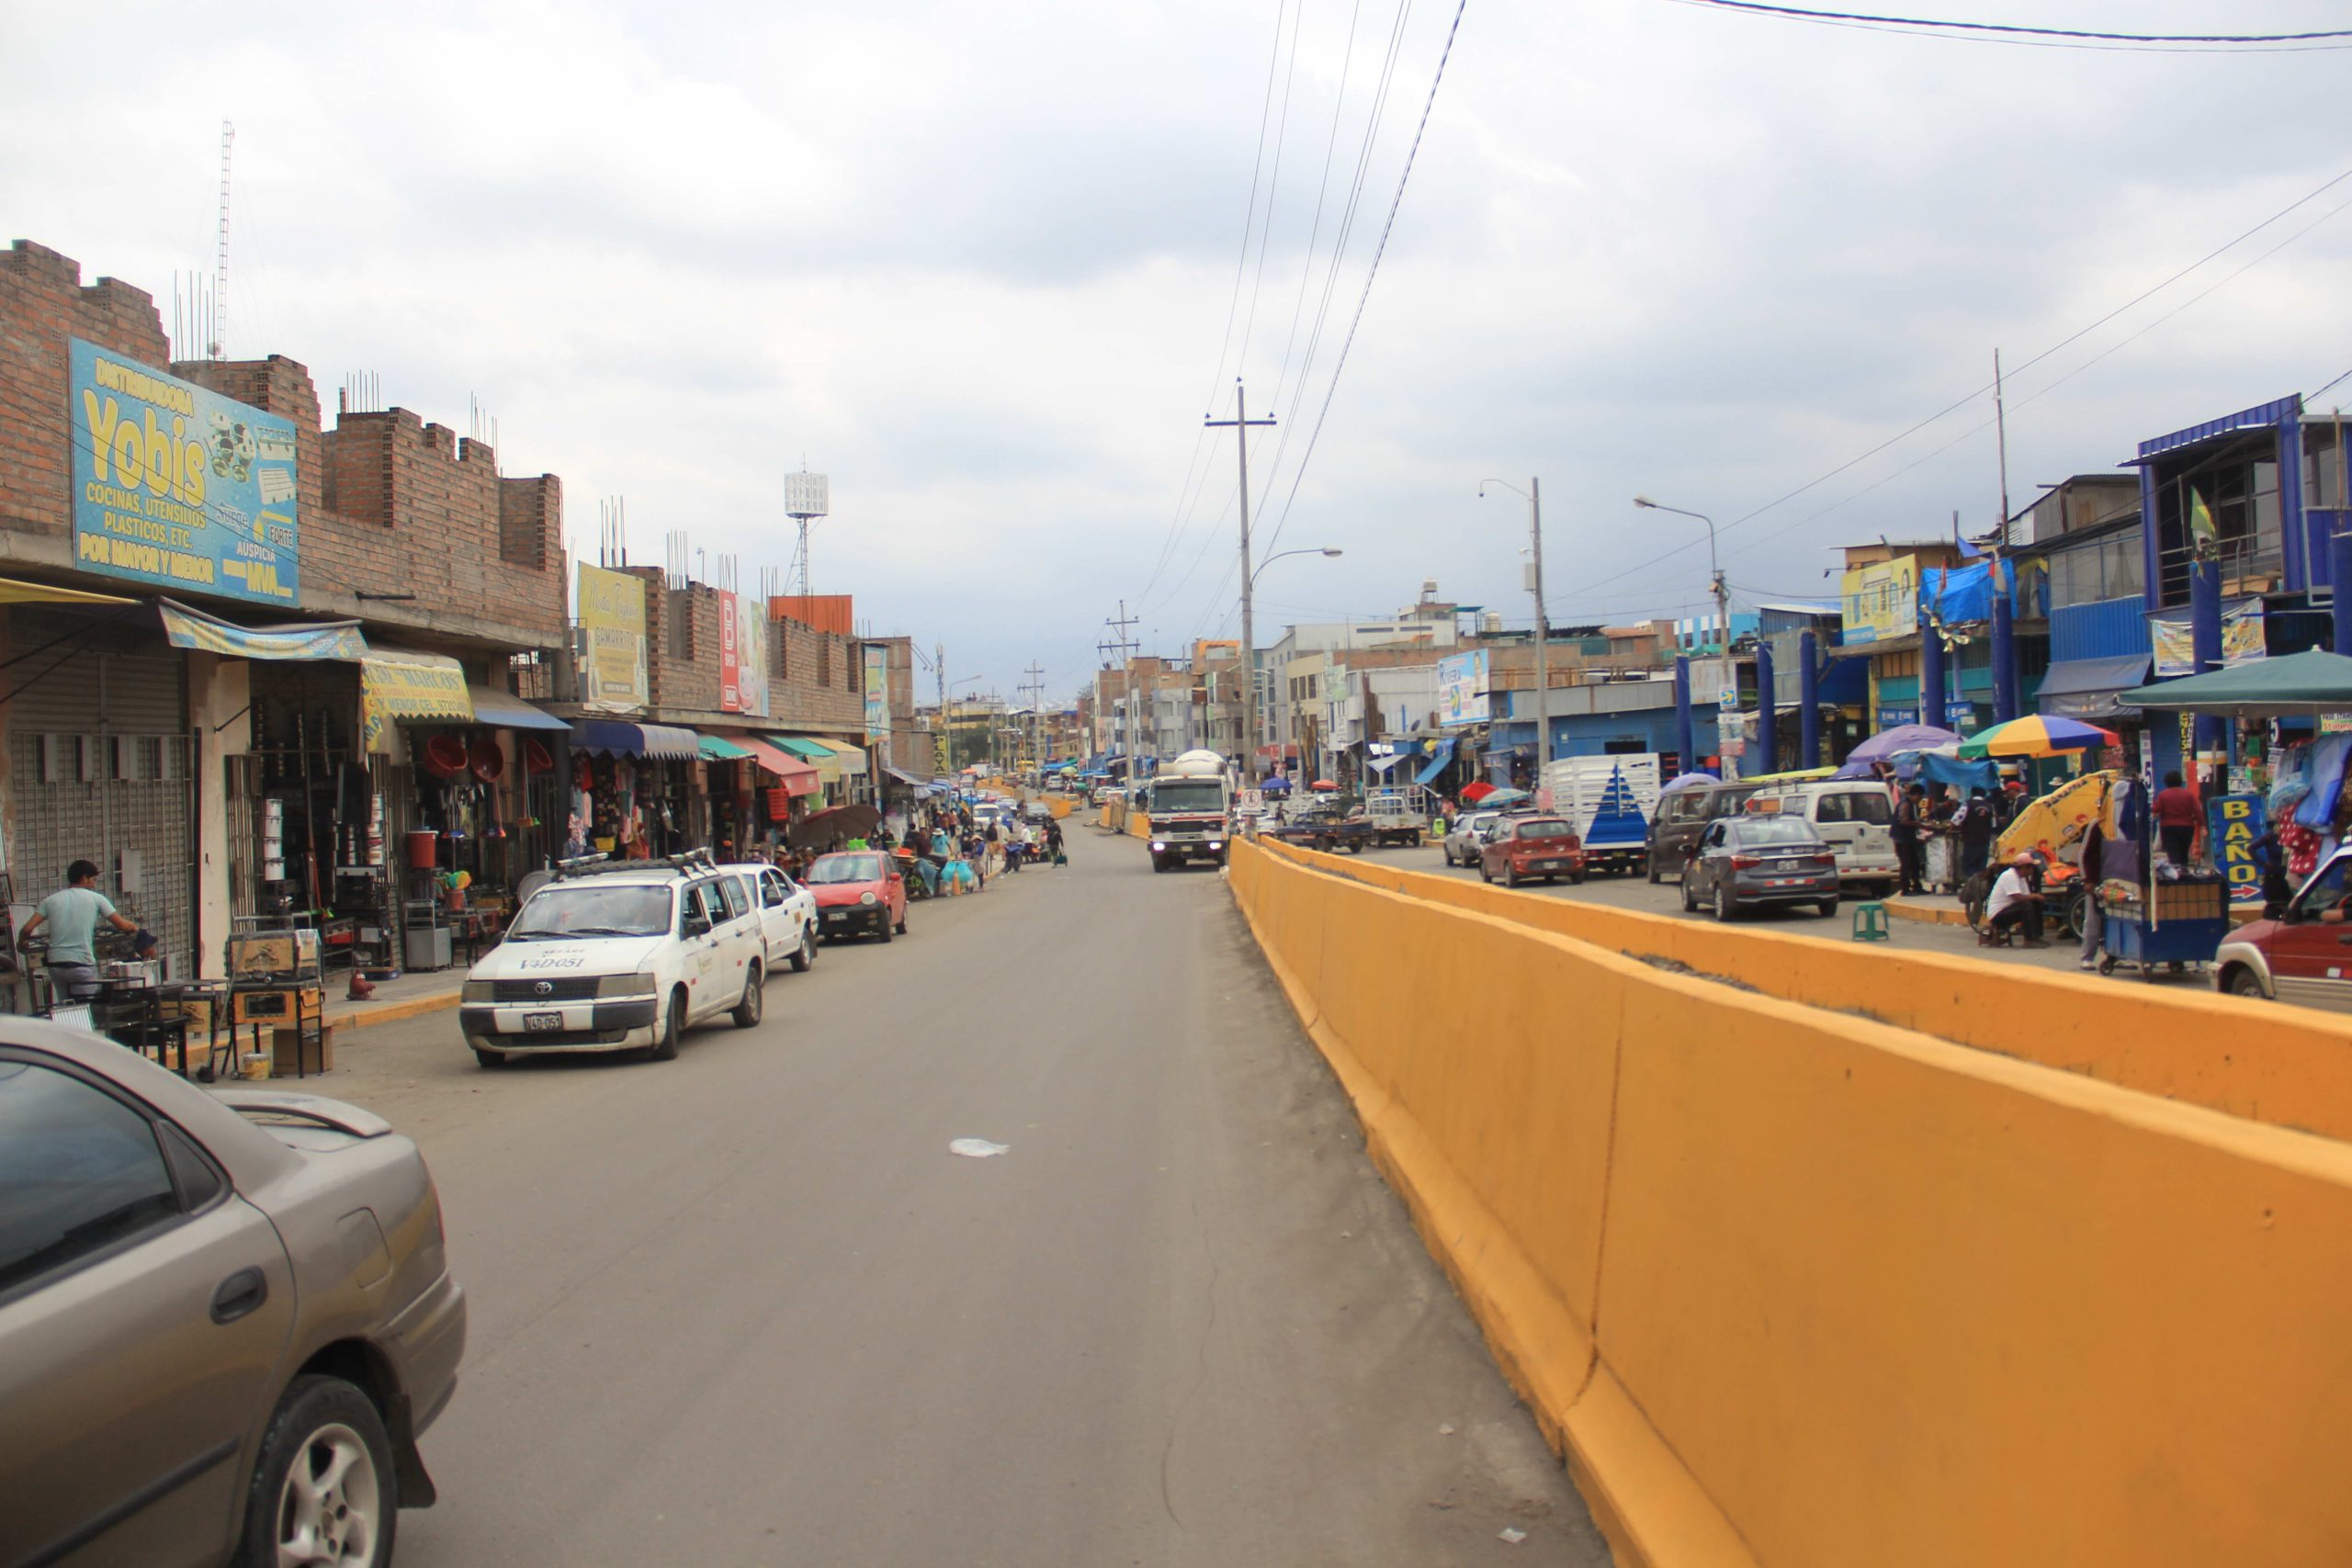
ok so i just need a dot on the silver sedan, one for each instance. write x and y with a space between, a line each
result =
225 1318
1462 839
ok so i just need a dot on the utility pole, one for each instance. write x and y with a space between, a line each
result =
2001 441
1036 690
1240 423
1127 646
1542 634
945 750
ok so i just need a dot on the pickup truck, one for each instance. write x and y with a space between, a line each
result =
1327 831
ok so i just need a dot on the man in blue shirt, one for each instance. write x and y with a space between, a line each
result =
72 915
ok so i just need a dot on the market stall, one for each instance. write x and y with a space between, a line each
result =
631 788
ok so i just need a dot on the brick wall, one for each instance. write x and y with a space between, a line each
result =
389 503
42 303
819 688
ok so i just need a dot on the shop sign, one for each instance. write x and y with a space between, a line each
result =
752 654
178 487
394 685
612 628
184 628
877 691
1462 687
2232 822
1881 601
2176 650
2333 724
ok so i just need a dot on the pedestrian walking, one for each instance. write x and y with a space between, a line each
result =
1906 837
2094 915
2177 810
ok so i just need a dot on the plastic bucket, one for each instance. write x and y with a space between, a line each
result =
424 850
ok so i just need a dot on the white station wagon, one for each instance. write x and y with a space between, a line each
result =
618 956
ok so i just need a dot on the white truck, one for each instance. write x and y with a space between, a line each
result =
1399 814
1610 799
1191 806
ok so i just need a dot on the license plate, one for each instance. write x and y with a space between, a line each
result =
538 1022
1787 881
837 919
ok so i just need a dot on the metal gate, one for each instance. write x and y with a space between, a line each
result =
99 750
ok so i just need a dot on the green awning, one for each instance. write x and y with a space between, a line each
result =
2283 687
808 750
714 749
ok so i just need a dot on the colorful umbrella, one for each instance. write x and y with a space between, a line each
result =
2036 734
1686 781
1496 797
2058 820
1472 794
1901 737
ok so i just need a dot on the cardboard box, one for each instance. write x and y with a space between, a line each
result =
285 1041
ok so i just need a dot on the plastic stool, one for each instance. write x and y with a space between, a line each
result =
1869 922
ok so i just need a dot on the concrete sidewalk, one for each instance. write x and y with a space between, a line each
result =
410 996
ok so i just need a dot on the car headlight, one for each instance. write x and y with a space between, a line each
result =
1216 843
1156 845
640 985
868 899
478 991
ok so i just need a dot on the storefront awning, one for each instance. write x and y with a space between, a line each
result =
796 776
851 758
617 738
397 686
184 628
1441 758
2086 688
715 749
494 709
14 592
1381 764
817 755
905 777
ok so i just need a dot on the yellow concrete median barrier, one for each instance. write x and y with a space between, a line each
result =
1787 1285
2288 1066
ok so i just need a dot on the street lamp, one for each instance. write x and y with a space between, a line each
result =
1249 664
1532 494
1722 598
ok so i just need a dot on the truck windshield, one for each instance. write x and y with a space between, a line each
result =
1173 796
584 909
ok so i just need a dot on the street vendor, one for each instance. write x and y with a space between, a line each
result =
72 915
2016 903
2178 812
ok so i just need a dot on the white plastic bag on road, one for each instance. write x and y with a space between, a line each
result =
976 1149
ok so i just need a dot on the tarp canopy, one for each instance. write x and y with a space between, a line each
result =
851 759
1441 758
2313 682
619 737
1381 764
1956 595
502 710
796 775
184 628
905 777
821 757
2086 688
716 749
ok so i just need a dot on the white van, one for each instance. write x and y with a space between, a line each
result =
1854 816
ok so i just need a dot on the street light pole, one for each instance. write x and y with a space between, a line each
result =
1723 595
1534 494
1283 554
1240 423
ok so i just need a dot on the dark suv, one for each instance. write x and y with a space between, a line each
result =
1683 814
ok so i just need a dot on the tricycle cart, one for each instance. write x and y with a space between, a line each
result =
2174 923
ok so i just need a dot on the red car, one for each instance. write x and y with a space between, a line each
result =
859 893
1521 847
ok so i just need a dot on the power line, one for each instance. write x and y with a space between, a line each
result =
1402 178
1799 14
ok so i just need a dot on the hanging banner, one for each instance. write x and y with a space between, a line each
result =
752 654
730 669
184 628
176 486
2176 650
612 635
395 685
1462 689
877 691
2232 822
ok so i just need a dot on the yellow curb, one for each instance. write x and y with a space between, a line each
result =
1927 914
394 1012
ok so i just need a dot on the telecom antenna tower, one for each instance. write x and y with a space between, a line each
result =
806 497
219 343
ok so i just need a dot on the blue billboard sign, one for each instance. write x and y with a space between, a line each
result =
178 487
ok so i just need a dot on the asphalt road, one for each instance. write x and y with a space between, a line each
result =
745 1307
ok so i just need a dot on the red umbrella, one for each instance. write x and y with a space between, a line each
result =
1472 794
1322 784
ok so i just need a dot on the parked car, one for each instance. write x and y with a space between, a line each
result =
617 956
1855 817
225 1319
1323 827
1037 811
2302 956
1519 848
1682 816
788 914
1460 845
859 892
1748 862
1106 794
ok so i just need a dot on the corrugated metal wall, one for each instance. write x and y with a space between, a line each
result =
2106 628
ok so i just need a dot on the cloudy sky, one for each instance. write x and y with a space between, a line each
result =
988 266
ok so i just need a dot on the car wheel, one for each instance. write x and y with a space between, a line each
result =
902 922
324 1489
1511 876
1725 905
674 1025
1689 895
1158 864
1578 879
806 953
747 1012
1484 875
883 930
2245 983
1653 872
486 1057
1828 908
